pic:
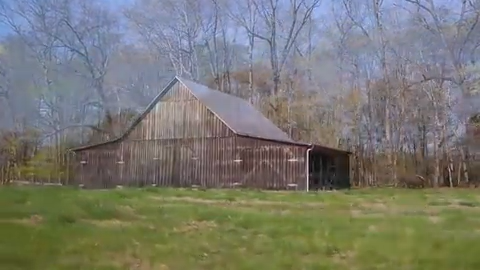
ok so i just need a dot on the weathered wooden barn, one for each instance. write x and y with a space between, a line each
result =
192 135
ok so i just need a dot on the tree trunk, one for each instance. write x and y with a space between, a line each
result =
464 158
436 172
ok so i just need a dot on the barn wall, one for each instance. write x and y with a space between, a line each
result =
270 165
178 162
96 167
213 163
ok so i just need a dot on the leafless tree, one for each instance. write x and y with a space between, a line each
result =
278 18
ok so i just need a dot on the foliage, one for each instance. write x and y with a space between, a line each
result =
110 129
16 148
475 119
24 157
49 163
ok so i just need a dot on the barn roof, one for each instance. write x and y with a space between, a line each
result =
236 113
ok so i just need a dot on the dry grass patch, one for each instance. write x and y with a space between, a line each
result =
345 259
196 226
372 228
235 202
456 203
109 223
434 219
187 199
129 260
129 211
381 210
357 213
378 206
33 220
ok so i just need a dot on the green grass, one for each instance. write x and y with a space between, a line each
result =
64 228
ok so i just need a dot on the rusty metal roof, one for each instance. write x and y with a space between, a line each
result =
238 114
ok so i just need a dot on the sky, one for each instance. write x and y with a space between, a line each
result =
116 4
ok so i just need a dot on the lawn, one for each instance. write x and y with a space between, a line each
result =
65 228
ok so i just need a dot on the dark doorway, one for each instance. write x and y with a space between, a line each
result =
321 171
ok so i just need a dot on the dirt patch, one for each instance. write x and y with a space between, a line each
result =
109 223
33 220
196 226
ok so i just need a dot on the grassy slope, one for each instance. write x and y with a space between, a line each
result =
60 228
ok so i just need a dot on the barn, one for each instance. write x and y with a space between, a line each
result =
190 135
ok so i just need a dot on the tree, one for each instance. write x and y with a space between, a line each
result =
273 15
80 42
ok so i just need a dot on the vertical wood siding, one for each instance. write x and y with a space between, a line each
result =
179 115
181 143
212 163
96 168
270 165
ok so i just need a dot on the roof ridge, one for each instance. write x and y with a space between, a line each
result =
259 127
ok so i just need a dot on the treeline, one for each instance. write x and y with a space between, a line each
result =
397 83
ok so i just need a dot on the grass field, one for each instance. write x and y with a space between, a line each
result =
62 228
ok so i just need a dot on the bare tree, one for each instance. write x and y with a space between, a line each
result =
172 28
92 38
459 41
59 40
271 13
245 15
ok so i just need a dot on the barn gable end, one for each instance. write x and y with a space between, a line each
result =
178 114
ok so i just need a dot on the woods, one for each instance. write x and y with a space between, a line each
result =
395 82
